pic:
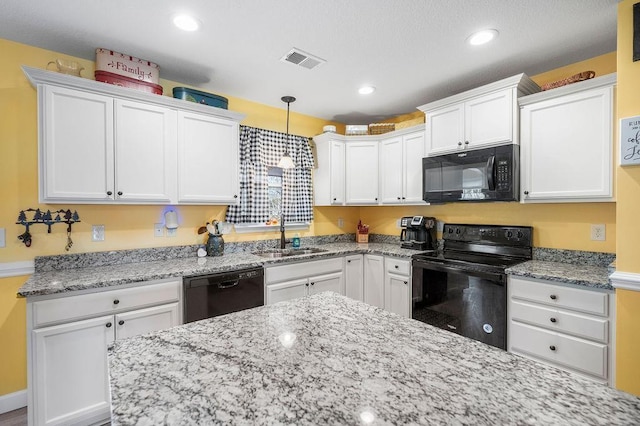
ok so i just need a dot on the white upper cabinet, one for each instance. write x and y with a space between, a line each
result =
104 144
145 151
207 144
401 169
328 177
482 117
361 177
567 143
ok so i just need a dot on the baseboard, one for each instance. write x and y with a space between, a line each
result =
625 280
16 269
13 401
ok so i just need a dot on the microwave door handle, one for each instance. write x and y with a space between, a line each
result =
491 173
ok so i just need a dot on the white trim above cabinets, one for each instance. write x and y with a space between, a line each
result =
104 144
479 118
369 170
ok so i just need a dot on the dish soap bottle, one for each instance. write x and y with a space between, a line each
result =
296 241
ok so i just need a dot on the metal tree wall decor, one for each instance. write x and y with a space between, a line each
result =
46 218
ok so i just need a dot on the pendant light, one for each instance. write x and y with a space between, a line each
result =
286 162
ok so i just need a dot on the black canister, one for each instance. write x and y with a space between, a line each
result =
215 245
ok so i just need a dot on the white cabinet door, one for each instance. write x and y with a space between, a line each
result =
329 282
286 290
354 277
362 172
145 140
70 372
337 174
413 151
567 148
374 280
142 321
445 129
488 119
396 296
76 146
208 159
391 171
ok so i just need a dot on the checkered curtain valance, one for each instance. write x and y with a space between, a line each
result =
259 150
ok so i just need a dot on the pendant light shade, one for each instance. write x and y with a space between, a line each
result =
286 162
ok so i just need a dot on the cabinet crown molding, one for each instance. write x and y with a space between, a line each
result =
323 137
522 82
38 76
594 83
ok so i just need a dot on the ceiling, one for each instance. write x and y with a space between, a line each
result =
412 51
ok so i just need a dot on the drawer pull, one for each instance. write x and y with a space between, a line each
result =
552 319
121 322
108 325
553 297
552 347
115 302
396 266
406 282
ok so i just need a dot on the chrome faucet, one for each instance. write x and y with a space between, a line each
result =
283 240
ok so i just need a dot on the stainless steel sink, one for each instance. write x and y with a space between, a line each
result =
274 253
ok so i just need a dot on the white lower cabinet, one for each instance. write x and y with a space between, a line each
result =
67 358
354 276
397 286
290 281
374 280
568 327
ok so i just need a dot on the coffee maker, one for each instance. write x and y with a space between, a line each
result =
418 232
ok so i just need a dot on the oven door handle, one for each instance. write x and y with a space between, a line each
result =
429 266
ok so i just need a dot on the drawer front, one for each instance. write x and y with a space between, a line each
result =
398 266
589 301
562 350
275 274
106 302
593 328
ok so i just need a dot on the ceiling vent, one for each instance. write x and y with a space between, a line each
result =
303 59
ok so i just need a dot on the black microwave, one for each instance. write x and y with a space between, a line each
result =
488 174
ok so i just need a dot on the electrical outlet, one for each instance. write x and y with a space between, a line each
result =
598 232
97 232
340 222
158 230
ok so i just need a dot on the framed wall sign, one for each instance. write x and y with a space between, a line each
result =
630 141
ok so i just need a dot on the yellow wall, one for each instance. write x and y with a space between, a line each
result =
13 335
628 181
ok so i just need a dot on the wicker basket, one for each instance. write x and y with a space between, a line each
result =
585 75
380 128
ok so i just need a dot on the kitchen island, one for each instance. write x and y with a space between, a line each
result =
327 359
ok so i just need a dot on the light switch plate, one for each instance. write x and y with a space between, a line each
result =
97 232
2 238
340 222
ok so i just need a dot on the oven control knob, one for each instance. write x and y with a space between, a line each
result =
509 234
451 230
457 231
520 234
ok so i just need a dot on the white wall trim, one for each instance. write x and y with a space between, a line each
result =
16 269
625 280
13 401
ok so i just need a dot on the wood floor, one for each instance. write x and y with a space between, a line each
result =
14 418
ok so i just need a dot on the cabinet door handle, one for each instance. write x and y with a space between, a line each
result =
406 282
235 195
526 192
466 142
108 325
121 322
403 198
109 193
334 199
115 302
376 198
119 193
459 143
348 261
312 283
396 266
553 319
552 347
553 297
307 284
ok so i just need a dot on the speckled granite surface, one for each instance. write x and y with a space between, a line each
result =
327 359
576 257
108 275
583 275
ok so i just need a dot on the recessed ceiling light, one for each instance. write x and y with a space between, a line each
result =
482 37
366 90
186 22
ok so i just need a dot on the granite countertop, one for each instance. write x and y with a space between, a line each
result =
584 275
328 359
90 277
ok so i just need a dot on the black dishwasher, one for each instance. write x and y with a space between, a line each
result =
207 296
